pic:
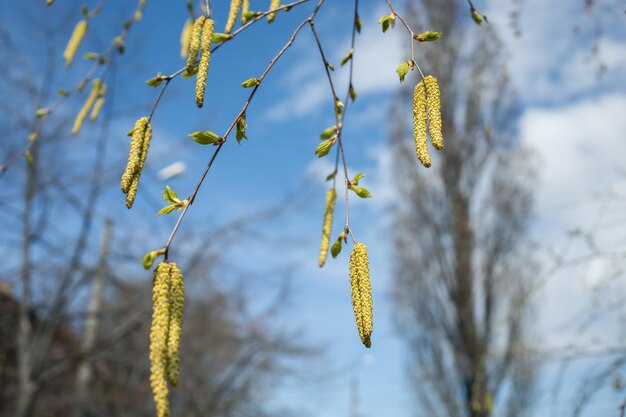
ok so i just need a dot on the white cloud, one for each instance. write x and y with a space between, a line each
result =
550 62
581 148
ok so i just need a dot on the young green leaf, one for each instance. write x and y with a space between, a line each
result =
206 138
339 106
240 134
250 15
357 178
427 36
170 195
357 23
352 92
324 147
360 191
42 112
330 66
167 209
156 81
388 20
63 93
335 250
328 132
348 57
221 37
150 257
251 82
403 69
91 55
189 74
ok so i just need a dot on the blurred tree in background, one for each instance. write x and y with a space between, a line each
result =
463 268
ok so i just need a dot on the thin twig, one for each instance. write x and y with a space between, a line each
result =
339 121
412 34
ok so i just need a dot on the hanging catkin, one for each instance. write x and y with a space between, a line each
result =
235 5
159 337
185 38
82 114
177 300
245 8
97 107
434 111
420 121
134 156
205 59
331 197
72 45
145 145
361 293
274 4
194 44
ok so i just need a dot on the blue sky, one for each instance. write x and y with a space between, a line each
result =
573 120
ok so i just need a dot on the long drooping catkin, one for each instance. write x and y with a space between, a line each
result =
434 110
361 293
331 197
185 39
420 120
82 114
72 45
134 156
177 300
158 338
194 44
235 5
205 59
245 8
274 4
145 145
99 102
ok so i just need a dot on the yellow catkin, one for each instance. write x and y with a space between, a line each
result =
97 107
185 39
145 145
331 197
420 120
205 59
274 4
434 111
245 8
82 114
177 300
194 43
72 45
158 338
134 156
235 5
361 293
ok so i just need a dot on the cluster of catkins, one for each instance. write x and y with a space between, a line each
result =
426 108
139 144
168 295
200 42
94 102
